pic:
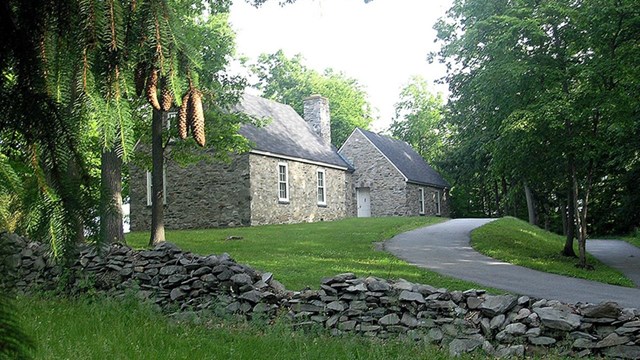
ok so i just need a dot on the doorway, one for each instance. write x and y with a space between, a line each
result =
363 202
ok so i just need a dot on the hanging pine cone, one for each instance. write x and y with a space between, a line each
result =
182 116
140 77
167 96
196 117
152 89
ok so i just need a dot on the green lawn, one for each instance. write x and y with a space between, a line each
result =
633 240
300 255
516 242
110 329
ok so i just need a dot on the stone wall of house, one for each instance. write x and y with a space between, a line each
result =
374 171
351 209
203 195
303 205
390 194
430 206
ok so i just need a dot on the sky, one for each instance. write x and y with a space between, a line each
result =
381 44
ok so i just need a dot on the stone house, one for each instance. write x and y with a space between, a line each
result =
293 174
391 179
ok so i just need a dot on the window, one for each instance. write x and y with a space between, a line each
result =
421 199
150 188
438 202
322 200
283 182
170 116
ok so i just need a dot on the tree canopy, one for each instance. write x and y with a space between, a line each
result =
419 119
289 81
543 97
73 86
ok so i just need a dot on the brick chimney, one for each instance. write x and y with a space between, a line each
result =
316 113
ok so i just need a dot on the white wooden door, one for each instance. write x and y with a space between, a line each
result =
364 202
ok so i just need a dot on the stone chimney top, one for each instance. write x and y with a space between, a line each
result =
316 113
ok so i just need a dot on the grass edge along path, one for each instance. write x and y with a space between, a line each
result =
300 255
102 328
517 242
633 240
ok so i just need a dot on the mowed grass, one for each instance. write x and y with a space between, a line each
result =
517 242
111 329
633 240
300 255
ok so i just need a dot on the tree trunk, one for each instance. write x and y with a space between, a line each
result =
582 238
569 218
505 203
77 222
111 230
547 217
157 193
563 216
531 208
497 198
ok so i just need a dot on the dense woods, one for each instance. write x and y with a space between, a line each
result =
544 113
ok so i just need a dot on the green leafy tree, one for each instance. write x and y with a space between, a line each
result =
534 87
289 81
418 119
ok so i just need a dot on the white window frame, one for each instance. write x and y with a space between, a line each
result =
164 187
421 201
438 205
285 182
321 188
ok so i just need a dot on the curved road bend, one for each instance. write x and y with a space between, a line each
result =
445 248
619 255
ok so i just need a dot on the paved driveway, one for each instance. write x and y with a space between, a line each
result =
619 255
445 249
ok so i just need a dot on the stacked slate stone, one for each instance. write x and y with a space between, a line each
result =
168 276
502 326
30 263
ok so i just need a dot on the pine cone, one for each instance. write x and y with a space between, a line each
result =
140 78
182 116
152 89
167 97
196 117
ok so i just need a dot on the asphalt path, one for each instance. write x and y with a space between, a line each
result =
619 255
445 248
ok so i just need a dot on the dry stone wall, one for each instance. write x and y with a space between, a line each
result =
459 321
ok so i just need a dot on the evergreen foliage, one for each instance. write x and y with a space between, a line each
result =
72 82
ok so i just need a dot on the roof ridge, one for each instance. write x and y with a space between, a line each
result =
288 134
406 159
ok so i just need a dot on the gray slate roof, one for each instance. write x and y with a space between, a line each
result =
407 160
286 133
